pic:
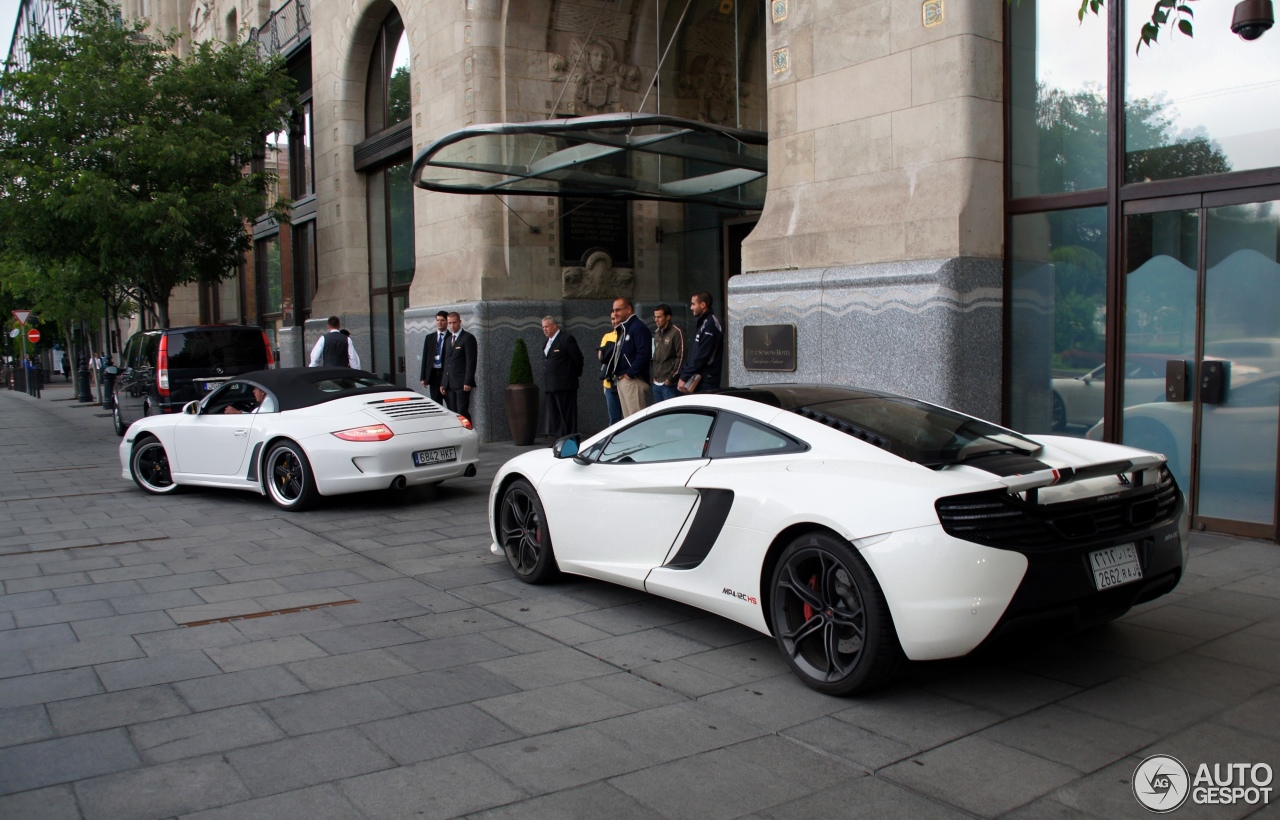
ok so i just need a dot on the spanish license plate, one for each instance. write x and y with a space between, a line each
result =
438 456
1114 566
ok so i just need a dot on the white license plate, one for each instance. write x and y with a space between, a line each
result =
438 456
1114 566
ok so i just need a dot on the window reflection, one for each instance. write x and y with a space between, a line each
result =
1058 320
398 83
1199 105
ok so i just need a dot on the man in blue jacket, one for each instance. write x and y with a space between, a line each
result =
635 350
701 371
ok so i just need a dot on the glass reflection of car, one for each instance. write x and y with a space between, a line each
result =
1263 354
1080 401
300 433
1242 441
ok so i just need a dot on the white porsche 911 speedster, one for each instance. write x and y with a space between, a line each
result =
298 433
861 529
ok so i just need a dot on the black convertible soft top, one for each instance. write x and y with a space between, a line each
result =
298 387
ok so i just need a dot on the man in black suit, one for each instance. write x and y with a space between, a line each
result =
433 357
459 376
562 365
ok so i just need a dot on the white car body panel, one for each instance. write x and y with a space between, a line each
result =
945 594
227 450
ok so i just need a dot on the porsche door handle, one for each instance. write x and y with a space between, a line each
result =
241 433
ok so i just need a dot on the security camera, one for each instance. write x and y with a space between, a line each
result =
1252 18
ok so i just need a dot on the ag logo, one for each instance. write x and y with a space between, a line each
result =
1161 783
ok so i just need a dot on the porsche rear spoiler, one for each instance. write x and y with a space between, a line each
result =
1062 475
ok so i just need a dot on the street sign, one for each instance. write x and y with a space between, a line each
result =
21 316
33 335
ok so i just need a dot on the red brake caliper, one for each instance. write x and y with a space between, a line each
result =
808 610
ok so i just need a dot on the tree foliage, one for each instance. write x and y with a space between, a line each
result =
1166 15
129 167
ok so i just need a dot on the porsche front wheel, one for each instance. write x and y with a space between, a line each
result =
149 466
522 532
830 617
290 482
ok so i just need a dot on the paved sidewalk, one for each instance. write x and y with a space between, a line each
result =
413 677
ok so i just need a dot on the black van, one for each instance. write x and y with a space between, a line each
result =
162 370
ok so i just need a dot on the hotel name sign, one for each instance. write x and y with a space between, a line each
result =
769 347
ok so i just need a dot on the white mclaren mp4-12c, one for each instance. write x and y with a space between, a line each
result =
861 529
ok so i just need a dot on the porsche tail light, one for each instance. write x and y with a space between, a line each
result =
271 359
466 422
370 432
162 367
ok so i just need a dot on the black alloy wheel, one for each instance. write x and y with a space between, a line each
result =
149 466
287 472
522 532
830 617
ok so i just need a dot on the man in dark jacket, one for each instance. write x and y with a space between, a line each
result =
635 350
432 369
459 377
561 367
701 371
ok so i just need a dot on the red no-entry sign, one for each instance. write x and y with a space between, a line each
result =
33 335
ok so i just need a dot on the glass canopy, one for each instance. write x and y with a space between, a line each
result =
613 156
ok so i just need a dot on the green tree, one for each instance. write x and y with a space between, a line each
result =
119 159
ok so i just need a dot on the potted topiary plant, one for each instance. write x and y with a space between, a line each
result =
522 396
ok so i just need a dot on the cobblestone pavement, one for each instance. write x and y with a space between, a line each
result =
419 679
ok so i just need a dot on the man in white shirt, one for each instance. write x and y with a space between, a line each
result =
328 348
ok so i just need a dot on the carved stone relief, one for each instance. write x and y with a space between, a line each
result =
598 279
585 48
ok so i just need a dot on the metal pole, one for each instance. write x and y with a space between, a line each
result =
26 373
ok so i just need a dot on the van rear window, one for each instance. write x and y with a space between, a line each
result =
217 348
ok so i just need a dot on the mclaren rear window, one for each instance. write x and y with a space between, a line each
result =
915 430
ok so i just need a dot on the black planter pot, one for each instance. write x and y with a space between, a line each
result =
522 412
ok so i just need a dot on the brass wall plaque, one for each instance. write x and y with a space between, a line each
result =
769 347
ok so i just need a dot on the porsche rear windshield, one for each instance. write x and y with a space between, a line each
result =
919 432
337 385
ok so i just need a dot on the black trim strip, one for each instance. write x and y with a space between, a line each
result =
253 462
713 511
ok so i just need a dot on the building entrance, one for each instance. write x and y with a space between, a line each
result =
1202 318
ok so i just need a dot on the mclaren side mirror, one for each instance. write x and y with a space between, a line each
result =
566 446
191 408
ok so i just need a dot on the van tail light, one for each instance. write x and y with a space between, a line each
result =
162 367
371 432
271 359
466 422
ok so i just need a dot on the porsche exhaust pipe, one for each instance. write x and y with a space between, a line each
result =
471 470
398 483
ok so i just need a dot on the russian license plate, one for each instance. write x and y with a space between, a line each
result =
438 456
1114 566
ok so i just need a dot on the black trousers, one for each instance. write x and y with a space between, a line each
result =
459 401
562 413
434 375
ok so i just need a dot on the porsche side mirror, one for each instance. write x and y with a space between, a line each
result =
566 446
191 408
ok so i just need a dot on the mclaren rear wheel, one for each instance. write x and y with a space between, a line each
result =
830 617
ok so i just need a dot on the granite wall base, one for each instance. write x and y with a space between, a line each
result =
930 329
496 326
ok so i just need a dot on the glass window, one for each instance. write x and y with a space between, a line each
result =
400 216
276 161
302 180
1058 320
398 82
304 266
270 276
738 436
387 87
1058 100
1199 105
668 437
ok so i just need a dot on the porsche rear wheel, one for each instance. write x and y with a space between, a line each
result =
1059 413
830 617
149 466
522 532
290 482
